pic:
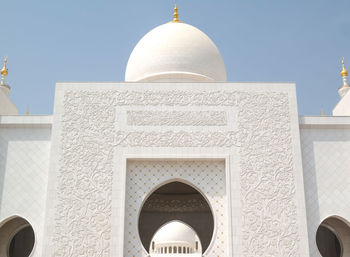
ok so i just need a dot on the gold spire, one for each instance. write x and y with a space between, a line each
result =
322 112
176 14
344 72
4 71
27 111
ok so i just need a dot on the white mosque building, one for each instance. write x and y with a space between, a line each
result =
175 161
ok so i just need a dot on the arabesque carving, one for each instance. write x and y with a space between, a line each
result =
83 210
90 135
176 139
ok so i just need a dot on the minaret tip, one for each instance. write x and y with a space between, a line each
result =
176 14
344 72
345 87
4 72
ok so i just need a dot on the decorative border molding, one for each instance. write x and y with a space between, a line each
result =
176 139
176 98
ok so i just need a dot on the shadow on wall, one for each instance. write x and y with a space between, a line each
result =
311 191
3 160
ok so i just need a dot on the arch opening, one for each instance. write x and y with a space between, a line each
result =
333 238
17 238
176 201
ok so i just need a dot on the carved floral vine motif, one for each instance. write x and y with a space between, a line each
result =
176 139
89 136
84 205
268 194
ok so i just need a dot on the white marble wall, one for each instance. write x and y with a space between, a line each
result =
24 163
208 131
99 126
326 160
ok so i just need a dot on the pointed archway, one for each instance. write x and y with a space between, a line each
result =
176 201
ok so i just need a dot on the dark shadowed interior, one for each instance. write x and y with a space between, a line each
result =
176 201
327 242
22 243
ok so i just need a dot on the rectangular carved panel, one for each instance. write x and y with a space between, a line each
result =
90 135
176 118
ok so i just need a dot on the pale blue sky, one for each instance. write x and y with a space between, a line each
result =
298 41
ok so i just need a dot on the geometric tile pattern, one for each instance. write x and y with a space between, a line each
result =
143 177
326 165
24 165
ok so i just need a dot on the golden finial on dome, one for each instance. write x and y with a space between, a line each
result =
4 71
344 72
176 14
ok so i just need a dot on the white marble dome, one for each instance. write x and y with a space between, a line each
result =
175 231
175 52
175 237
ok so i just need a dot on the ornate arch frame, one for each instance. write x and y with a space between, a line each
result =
216 217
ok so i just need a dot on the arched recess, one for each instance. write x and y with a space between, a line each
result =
333 237
16 237
176 201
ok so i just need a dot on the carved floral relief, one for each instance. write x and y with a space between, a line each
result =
89 136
